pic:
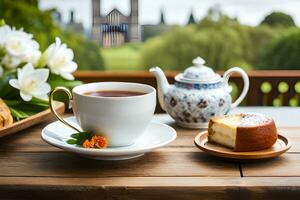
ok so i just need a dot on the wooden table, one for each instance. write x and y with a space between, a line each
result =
32 169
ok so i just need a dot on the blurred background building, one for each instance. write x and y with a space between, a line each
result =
115 28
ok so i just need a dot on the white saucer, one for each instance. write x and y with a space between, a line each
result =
156 135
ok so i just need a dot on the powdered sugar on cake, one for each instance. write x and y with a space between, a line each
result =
254 120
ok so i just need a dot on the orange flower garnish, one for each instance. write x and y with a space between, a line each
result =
95 142
99 141
87 144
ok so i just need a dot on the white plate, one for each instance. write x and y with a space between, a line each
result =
155 136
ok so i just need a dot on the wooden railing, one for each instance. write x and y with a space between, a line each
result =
267 88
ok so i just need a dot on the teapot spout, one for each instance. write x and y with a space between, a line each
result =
162 84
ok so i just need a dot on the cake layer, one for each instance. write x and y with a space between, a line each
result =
222 130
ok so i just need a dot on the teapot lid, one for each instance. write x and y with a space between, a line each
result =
198 73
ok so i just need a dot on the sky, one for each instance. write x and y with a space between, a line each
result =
248 12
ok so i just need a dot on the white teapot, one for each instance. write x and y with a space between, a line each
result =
198 94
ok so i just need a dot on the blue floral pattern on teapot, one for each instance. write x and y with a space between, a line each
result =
198 94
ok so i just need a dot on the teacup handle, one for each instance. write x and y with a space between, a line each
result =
67 91
245 77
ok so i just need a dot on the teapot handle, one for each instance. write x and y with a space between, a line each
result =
245 77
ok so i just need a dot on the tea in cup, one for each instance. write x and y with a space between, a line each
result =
119 111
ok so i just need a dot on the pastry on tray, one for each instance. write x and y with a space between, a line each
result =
243 132
6 118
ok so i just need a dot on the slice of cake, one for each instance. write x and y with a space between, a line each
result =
6 118
243 132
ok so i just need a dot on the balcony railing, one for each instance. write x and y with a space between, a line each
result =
267 88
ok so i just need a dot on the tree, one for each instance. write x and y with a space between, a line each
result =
283 53
191 19
278 19
25 14
176 49
222 41
162 17
260 37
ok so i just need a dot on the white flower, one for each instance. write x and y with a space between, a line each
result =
32 57
21 45
31 82
4 32
10 62
18 43
59 59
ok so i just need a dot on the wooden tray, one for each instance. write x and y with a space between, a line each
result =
30 121
282 145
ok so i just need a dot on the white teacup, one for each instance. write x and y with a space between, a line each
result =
120 119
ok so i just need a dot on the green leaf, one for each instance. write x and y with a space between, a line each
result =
75 135
56 80
79 138
34 103
12 102
42 61
72 141
39 102
18 114
22 109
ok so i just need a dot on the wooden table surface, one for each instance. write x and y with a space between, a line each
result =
32 169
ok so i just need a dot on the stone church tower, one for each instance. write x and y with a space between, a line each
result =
134 18
115 28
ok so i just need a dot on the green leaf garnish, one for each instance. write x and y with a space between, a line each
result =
72 141
22 109
79 138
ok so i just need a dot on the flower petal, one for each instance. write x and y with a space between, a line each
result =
57 41
4 32
69 53
41 89
14 83
25 72
27 69
74 66
32 56
67 76
69 67
25 96
34 45
40 75
10 62
19 73
49 51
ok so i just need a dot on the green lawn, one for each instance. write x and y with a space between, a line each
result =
122 58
